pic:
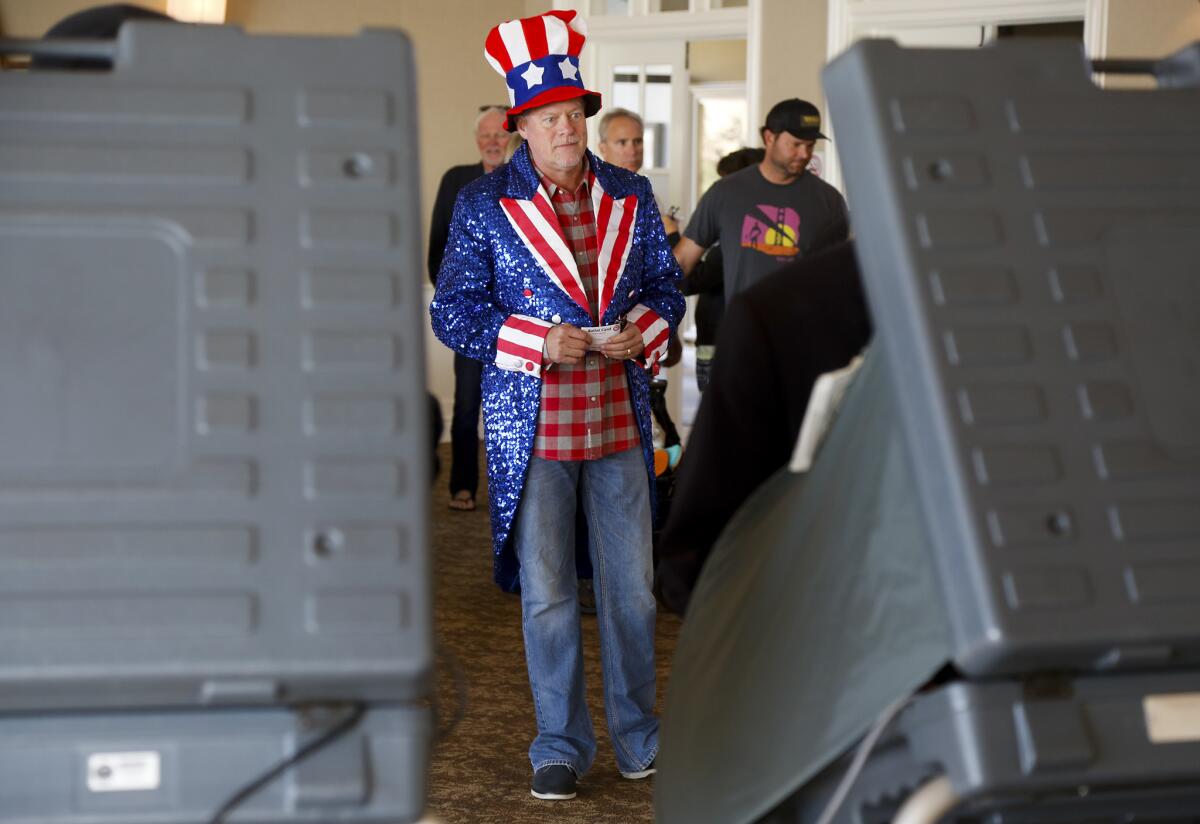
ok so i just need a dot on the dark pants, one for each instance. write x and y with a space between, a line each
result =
464 426
436 425
704 359
658 408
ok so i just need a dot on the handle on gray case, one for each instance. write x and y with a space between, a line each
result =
92 49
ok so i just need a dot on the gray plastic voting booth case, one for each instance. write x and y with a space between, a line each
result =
214 451
1029 246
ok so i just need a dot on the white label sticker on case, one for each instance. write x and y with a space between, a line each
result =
112 772
1172 717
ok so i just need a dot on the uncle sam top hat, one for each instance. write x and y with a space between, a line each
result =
539 58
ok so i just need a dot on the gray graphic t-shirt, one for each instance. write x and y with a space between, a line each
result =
763 226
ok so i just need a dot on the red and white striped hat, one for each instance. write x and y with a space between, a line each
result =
539 58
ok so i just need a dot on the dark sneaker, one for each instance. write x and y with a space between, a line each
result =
646 773
554 783
587 597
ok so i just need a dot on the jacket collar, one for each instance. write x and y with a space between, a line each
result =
533 218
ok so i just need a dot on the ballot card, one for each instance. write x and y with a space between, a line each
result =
601 333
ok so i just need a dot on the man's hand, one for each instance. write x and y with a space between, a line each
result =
624 345
567 344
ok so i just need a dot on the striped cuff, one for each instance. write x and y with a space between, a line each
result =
655 334
519 344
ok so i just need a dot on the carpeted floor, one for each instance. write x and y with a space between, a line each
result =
480 773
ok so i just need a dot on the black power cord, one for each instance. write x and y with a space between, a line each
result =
357 709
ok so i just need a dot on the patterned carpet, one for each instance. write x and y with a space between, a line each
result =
480 774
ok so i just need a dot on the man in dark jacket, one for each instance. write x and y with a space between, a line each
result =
490 138
776 338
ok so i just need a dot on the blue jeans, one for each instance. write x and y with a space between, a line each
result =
615 495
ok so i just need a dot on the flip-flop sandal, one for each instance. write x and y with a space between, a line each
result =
463 501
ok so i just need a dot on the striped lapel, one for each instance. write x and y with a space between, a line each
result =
614 232
536 224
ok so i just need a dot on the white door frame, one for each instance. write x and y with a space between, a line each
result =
849 16
850 19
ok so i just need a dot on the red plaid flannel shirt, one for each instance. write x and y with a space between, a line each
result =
586 412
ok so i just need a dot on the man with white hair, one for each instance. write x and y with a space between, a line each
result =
490 139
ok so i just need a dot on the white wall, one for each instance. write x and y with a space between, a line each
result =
792 52
717 61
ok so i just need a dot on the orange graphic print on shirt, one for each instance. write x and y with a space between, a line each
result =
774 230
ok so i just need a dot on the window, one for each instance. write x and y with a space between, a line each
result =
657 115
611 7
647 91
627 87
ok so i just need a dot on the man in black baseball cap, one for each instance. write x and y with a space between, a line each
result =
772 213
790 134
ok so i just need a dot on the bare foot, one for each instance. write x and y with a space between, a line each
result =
463 501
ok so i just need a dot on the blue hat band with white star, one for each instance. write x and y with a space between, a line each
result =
530 79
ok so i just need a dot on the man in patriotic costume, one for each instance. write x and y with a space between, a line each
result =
557 275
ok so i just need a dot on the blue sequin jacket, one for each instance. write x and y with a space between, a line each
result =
501 282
